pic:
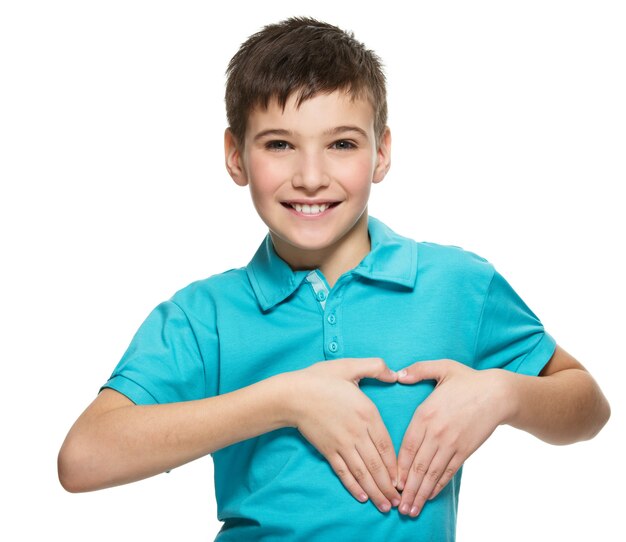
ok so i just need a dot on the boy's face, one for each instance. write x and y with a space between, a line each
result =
322 153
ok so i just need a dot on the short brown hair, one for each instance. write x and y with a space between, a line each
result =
306 55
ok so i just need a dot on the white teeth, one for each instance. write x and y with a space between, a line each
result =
310 209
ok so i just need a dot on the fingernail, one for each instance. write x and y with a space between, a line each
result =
404 509
402 373
395 502
362 497
385 507
400 486
394 482
414 511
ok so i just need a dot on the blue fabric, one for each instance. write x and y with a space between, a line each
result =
406 301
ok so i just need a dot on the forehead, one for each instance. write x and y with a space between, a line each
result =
315 116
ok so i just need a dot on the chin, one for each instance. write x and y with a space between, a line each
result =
311 247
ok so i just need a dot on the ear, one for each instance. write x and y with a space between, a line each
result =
234 160
383 156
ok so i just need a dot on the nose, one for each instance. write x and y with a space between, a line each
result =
311 172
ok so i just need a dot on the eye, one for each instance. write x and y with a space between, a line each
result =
276 145
344 144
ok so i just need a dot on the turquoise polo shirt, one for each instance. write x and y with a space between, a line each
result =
406 301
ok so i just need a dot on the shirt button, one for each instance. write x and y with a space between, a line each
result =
332 319
321 295
333 346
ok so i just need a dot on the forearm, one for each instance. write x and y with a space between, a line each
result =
133 442
562 408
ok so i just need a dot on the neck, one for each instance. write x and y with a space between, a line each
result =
332 261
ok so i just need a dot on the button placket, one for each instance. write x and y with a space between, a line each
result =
332 336
333 328
331 317
319 288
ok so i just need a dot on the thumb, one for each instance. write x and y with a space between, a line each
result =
372 368
423 370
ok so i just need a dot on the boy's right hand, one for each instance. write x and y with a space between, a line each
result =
336 417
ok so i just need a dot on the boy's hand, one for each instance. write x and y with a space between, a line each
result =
459 415
336 417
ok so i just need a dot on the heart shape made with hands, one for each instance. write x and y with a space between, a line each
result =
446 428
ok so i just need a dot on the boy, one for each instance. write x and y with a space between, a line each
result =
288 371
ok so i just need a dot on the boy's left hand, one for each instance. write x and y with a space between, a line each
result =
458 416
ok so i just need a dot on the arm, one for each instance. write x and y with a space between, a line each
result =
562 406
116 442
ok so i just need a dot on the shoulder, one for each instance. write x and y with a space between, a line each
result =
452 255
453 259
445 265
206 294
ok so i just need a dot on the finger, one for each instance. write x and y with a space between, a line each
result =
382 441
411 442
423 370
343 473
436 469
359 368
453 467
357 467
416 474
378 470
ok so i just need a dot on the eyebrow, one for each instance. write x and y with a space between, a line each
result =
330 131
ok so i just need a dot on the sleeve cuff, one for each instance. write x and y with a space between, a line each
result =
136 393
533 362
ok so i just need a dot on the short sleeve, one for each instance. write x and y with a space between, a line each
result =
509 334
163 363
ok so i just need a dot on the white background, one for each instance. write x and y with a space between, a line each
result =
508 123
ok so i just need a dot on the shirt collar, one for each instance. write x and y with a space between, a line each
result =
392 258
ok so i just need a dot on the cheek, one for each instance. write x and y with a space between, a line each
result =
267 170
265 180
356 176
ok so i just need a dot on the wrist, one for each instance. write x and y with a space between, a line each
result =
286 398
507 395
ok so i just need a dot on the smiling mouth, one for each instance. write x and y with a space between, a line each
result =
311 209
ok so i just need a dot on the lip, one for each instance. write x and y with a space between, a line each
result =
307 216
310 202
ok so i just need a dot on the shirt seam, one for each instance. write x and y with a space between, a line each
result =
520 363
204 371
124 377
413 268
371 274
480 318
